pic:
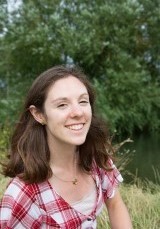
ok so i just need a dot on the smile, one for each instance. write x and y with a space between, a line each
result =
75 127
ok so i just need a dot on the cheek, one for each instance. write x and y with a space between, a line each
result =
89 114
90 111
50 116
57 118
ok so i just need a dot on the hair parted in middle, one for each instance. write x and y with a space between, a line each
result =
29 154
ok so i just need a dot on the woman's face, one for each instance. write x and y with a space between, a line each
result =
67 112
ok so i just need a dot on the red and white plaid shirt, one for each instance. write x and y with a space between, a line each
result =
35 206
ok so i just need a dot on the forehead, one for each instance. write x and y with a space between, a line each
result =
67 87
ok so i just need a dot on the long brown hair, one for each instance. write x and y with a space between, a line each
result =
29 153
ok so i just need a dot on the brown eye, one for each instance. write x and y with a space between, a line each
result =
84 101
62 105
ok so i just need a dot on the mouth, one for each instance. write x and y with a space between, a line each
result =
75 126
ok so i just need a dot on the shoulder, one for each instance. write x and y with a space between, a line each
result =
18 192
108 180
111 171
17 186
19 205
100 171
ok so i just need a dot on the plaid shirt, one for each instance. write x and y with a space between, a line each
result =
39 206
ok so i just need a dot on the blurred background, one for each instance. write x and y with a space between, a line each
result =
116 42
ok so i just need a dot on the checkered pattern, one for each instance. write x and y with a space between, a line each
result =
39 206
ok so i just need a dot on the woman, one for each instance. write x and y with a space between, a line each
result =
59 160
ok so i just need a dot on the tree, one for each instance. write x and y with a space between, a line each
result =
115 42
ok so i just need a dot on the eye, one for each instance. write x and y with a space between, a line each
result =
62 105
84 102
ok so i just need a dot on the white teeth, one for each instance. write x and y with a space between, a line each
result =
75 127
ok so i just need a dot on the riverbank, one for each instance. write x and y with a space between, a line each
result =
142 202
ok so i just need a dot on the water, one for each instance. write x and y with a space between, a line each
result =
145 154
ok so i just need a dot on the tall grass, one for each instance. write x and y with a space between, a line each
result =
143 204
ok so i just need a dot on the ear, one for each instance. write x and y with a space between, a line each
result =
38 116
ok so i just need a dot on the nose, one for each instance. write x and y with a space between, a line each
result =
76 111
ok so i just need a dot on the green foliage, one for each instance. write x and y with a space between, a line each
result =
127 102
4 141
115 42
12 100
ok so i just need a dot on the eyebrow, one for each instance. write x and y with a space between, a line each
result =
66 98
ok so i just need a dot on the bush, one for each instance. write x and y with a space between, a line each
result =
4 141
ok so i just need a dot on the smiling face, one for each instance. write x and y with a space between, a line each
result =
67 112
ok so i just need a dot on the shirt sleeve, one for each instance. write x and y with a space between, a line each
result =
110 180
17 208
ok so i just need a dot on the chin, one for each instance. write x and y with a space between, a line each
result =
78 143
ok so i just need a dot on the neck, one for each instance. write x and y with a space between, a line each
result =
64 164
64 156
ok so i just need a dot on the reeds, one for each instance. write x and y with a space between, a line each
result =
143 205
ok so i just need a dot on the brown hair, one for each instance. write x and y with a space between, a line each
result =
29 154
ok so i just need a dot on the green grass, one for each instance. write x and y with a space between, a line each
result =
143 203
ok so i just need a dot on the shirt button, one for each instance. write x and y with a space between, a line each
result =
89 219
